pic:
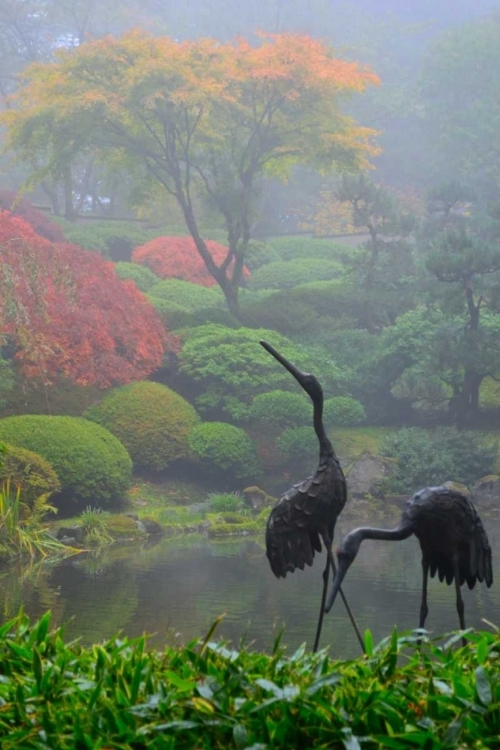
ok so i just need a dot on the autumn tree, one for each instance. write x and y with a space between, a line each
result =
177 258
64 311
195 118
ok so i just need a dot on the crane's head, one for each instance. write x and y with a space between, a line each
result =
308 382
346 554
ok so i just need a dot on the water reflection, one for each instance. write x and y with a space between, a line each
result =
176 588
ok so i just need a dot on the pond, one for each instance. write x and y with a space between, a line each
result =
175 588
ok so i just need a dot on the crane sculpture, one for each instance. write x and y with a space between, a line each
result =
452 539
309 510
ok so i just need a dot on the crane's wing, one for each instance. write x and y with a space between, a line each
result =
480 566
307 511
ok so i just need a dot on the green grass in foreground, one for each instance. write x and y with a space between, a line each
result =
207 695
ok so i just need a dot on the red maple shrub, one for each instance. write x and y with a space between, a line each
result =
178 258
37 219
68 313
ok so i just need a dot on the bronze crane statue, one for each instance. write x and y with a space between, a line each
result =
452 539
309 510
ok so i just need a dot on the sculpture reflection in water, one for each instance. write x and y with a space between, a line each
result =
309 510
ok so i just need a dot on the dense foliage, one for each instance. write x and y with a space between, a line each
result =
343 410
432 457
20 206
225 451
288 274
299 445
152 421
142 277
280 409
114 239
69 314
120 694
92 465
29 472
229 366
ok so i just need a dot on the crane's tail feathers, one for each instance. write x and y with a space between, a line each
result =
291 550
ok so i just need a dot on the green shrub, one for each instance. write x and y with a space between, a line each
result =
290 248
150 420
114 239
225 502
342 411
299 445
281 409
30 472
287 275
431 457
142 276
224 449
279 312
260 253
92 465
186 294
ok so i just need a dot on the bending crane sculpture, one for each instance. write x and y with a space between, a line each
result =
452 539
308 510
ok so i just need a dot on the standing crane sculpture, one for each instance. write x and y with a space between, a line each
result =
309 510
452 539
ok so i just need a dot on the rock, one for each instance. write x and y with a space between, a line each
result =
151 526
69 541
132 515
141 526
257 498
76 533
486 493
364 475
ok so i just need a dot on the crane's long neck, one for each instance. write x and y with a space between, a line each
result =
325 446
402 531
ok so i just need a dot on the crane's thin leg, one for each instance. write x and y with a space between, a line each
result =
326 573
424 609
460 601
348 609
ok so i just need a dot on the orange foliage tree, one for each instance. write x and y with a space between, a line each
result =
197 118
67 312
177 258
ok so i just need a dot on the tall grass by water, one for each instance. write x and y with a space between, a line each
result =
209 695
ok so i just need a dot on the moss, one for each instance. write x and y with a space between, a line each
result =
119 526
228 529
353 442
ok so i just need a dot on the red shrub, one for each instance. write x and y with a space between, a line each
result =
69 314
38 219
178 258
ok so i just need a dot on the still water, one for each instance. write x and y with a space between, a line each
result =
175 588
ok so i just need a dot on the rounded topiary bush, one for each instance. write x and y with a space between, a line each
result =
29 471
92 465
259 254
142 277
299 445
343 411
224 449
281 409
152 422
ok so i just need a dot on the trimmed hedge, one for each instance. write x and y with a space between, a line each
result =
259 254
190 296
92 465
142 277
343 411
152 422
281 409
224 449
299 445
290 248
29 471
287 275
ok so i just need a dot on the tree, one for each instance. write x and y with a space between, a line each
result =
385 263
460 90
66 312
195 118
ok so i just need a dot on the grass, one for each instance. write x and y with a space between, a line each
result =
352 442
209 696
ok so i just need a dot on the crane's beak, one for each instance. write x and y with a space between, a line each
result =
297 374
343 565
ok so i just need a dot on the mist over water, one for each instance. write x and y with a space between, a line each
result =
175 589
